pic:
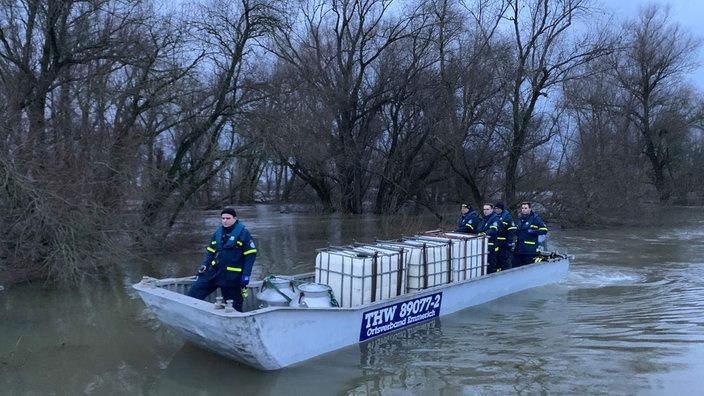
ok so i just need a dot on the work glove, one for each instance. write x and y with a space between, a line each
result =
511 247
532 231
244 281
202 269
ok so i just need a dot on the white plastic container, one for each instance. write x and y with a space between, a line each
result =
469 253
393 261
428 262
360 275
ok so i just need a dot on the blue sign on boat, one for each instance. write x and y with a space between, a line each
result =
393 317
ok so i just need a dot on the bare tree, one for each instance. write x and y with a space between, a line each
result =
472 92
651 69
544 58
57 62
218 94
46 47
406 161
293 125
333 58
600 153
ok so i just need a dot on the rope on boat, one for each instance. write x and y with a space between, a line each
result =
333 300
268 282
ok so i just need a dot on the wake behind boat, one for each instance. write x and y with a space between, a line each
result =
356 293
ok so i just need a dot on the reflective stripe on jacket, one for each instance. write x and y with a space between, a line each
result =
527 242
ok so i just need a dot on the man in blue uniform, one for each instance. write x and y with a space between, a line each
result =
529 227
228 261
490 228
468 220
507 231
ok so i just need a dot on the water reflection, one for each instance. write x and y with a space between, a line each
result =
195 371
462 353
402 344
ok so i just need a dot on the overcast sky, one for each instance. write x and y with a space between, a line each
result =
688 13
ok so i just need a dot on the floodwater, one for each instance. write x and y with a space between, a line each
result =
628 320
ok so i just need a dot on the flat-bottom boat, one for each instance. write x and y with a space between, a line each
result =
270 335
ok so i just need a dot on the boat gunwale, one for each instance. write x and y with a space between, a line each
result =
155 284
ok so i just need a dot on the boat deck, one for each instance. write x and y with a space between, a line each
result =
250 303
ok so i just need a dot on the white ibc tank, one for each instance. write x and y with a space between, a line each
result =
391 264
312 295
360 275
428 262
277 291
468 253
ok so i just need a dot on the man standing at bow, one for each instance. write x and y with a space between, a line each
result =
228 261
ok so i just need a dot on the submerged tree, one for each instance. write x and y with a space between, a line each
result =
650 69
470 91
65 128
331 54
547 52
208 131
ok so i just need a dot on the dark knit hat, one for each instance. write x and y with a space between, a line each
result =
229 210
466 205
499 205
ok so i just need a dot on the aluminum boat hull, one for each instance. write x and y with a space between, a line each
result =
275 337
